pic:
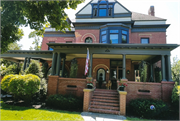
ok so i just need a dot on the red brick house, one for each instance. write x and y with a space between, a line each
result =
118 40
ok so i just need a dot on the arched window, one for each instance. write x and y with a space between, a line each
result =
88 40
103 9
101 74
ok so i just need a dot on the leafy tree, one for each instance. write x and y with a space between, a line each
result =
35 14
176 70
36 42
14 46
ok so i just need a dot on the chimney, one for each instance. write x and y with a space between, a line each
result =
151 11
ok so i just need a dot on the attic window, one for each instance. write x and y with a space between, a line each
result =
103 8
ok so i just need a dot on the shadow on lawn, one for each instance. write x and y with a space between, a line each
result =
9 105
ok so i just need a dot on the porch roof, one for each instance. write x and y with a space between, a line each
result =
120 46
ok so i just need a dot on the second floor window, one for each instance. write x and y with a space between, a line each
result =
114 35
145 40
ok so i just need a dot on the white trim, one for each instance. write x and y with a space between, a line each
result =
149 22
103 20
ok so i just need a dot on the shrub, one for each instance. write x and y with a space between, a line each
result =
12 69
41 94
175 97
24 86
74 68
64 102
5 82
34 68
2 70
141 108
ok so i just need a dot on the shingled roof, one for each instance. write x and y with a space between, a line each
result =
140 16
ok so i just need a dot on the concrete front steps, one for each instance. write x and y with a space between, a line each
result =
105 101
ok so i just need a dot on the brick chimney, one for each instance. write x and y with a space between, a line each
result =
151 11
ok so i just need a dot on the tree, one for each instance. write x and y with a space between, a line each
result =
36 42
14 46
176 70
35 14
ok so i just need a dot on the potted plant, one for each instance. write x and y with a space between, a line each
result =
90 85
121 86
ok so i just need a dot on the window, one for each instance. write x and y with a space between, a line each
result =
104 37
49 48
114 35
88 40
103 9
144 40
68 41
124 36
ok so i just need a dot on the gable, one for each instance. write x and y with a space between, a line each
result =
108 9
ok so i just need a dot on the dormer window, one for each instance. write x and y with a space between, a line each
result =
103 9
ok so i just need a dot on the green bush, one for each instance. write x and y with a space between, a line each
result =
12 69
175 97
41 95
68 102
141 108
24 86
5 82
34 68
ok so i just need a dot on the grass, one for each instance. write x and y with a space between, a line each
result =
10 112
130 118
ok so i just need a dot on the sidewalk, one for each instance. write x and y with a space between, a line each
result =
89 116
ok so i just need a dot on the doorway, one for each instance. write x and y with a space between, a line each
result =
101 77
115 72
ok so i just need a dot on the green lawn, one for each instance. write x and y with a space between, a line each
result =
129 118
9 112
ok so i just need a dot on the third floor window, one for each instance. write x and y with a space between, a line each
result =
103 9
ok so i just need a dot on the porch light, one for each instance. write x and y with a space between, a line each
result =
128 71
107 71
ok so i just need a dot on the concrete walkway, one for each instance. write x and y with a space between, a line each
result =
89 116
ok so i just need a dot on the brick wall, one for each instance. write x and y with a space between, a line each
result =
161 90
59 85
154 37
45 40
81 35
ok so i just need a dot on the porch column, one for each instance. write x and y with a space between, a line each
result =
90 68
28 62
64 59
54 63
169 68
163 68
58 64
25 60
124 67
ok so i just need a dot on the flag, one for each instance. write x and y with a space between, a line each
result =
87 61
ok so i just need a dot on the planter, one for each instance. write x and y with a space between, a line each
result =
121 88
89 86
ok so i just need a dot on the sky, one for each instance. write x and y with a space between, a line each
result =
167 9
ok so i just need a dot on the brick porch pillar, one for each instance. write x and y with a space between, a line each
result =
52 85
88 93
122 102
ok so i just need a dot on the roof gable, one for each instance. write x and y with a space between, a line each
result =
119 10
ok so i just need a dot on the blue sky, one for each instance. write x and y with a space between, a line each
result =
167 9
